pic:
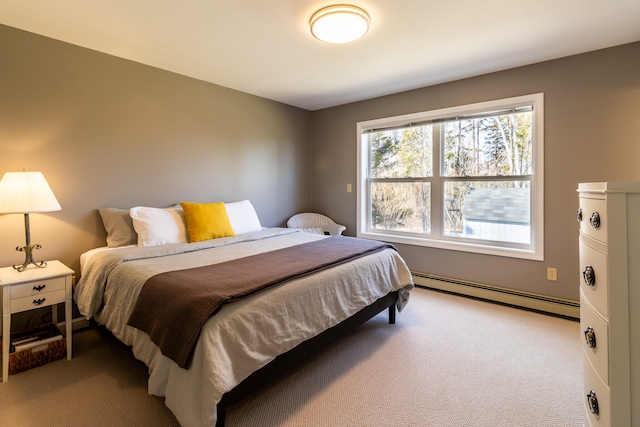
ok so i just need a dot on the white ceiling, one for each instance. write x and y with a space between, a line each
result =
264 47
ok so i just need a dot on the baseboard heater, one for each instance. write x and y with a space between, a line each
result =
551 305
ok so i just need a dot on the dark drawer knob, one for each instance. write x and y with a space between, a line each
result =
590 337
589 276
39 287
579 213
593 402
39 301
595 220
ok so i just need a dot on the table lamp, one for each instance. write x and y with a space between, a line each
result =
27 192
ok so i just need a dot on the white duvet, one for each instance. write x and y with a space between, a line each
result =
244 335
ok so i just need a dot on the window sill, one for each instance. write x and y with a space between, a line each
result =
510 252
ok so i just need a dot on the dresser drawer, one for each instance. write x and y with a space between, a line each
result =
593 326
593 383
597 294
594 211
31 302
39 287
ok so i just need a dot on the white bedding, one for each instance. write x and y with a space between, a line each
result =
244 335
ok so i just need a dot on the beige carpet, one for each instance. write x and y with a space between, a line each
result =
448 361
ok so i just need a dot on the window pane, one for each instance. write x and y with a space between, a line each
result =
490 146
490 210
402 153
401 206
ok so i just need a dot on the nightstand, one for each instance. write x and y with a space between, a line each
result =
34 288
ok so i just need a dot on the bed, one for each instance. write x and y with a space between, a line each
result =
249 338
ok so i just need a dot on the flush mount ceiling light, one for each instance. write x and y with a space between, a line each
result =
340 23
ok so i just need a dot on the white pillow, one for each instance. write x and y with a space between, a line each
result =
243 217
157 226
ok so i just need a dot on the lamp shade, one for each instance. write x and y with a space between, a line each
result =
26 192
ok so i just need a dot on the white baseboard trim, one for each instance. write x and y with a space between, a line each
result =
76 323
552 305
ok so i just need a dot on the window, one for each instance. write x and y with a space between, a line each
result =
467 178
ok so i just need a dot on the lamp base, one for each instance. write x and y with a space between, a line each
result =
28 250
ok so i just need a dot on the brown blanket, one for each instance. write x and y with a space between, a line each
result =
172 307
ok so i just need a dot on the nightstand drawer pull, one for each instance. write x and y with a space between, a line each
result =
579 214
593 402
589 276
39 301
590 337
595 220
39 287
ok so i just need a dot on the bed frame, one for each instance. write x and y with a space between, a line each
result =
283 363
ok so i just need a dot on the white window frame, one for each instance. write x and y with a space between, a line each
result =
437 239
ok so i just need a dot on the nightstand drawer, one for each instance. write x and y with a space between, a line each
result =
594 328
593 385
594 264
594 212
35 301
35 288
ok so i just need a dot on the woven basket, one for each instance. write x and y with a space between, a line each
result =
39 354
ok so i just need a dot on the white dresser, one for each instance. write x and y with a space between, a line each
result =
609 217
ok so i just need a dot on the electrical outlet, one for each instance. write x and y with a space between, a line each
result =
552 273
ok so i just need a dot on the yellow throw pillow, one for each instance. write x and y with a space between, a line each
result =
206 221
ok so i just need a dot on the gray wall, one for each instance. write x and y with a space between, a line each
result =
592 133
111 132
